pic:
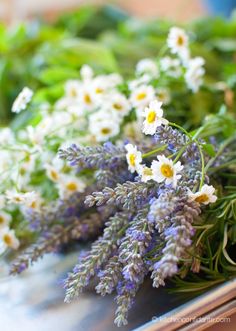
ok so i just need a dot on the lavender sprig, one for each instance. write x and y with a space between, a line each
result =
176 231
52 239
134 245
109 276
175 140
126 293
101 250
128 195
60 210
108 156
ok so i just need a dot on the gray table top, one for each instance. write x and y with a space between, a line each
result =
34 301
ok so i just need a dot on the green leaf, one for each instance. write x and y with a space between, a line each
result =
23 119
57 74
49 94
73 53
209 149
224 45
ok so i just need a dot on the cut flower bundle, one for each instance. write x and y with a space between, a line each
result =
146 194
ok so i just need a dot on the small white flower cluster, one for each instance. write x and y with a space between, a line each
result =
177 41
8 237
65 183
177 65
22 100
163 169
93 109
99 98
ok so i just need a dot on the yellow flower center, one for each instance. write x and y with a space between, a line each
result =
2 219
22 171
99 90
33 205
18 199
54 175
151 117
141 95
180 40
106 130
117 106
87 99
202 198
132 159
167 170
71 186
7 239
73 93
161 96
147 171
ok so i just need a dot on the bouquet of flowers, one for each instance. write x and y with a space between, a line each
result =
110 162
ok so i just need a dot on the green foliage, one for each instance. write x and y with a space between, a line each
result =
39 55
214 243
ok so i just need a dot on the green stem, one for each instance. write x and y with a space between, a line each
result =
222 166
162 148
220 151
203 166
162 51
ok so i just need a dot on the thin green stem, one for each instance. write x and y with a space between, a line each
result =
220 151
162 148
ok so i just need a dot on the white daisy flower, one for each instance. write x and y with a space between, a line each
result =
118 104
165 170
194 73
87 98
132 130
72 89
28 165
33 200
133 157
142 96
37 134
142 80
86 72
69 185
22 100
99 116
6 136
5 219
21 198
171 67
153 117
147 66
99 86
163 95
145 173
8 238
52 172
114 80
104 125
177 40
205 195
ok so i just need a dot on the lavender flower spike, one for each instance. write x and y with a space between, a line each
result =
107 156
